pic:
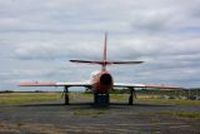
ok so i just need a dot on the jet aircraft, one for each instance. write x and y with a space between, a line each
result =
101 83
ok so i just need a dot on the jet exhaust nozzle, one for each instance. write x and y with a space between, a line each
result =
106 79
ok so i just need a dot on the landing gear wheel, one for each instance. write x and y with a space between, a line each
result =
130 100
66 96
132 92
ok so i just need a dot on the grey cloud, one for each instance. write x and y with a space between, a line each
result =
37 38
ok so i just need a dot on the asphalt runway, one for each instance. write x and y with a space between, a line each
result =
56 118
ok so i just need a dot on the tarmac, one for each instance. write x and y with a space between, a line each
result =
56 118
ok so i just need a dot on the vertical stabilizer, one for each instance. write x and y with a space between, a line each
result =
104 62
105 53
105 48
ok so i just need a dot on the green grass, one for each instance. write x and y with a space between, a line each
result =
24 98
119 97
154 99
169 101
192 115
80 97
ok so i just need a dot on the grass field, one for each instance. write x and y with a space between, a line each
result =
25 98
158 100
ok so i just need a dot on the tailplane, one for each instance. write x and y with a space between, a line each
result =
105 62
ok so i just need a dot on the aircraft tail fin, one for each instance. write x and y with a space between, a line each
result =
105 62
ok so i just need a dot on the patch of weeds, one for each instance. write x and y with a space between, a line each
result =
89 112
20 125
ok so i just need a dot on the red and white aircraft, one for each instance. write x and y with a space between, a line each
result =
101 83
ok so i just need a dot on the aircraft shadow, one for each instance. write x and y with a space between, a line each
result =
90 104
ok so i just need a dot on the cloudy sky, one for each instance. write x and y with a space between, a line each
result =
37 38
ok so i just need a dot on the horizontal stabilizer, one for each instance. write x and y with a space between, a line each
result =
106 62
126 62
86 61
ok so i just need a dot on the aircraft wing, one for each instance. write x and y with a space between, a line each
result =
146 86
54 84
87 84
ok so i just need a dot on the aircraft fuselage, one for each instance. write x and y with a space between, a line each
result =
102 82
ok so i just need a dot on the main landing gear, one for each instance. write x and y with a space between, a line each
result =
132 95
101 99
66 95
